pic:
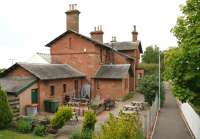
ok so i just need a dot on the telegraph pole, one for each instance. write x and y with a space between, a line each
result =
12 60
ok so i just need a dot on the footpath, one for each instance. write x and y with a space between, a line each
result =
170 124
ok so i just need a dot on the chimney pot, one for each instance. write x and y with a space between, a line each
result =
134 34
114 39
134 28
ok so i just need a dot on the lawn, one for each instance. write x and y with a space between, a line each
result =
7 134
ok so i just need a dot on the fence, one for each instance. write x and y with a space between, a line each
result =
192 119
150 118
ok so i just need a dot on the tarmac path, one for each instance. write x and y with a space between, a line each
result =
170 124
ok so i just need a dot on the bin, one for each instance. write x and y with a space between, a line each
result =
46 106
53 105
31 110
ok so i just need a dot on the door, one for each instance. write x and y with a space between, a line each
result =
34 96
76 88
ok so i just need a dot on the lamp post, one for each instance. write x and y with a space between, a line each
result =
159 78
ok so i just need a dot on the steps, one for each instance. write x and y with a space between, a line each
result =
15 105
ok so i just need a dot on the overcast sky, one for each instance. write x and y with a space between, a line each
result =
27 25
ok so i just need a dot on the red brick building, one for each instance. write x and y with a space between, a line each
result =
81 67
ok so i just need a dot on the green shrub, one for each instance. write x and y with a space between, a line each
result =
5 110
89 120
124 127
148 86
24 125
140 134
76 135
94 107
61 116
40 130
128 96
86 134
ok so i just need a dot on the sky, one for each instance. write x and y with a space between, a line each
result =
27 25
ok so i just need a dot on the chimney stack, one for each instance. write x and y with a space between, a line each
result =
97 34
134 34
72 18
114 39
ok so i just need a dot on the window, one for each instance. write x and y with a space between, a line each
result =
52 90
108 61
70 42
64 88
126 83
101 55
97 84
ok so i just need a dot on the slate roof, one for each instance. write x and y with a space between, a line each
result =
89 39
45 56
126 45
15 85
113 71
49 71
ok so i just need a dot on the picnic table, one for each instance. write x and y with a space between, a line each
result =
129 112
130 108
139 104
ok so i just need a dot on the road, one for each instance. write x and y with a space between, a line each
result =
170 124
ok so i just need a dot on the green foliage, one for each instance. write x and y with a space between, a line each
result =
182 63
84 134
89 120
126 126
24 125
149 69
6 114
76 135
94 107
150 55
148 86
40 130
9 134
61 116
128 96
87 134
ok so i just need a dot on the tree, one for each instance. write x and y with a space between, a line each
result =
150 55
5 110
150 60
148 86
183 62
126 126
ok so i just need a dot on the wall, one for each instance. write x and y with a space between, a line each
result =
44 89
139 74
25 98
109 88
192 119
18 71
118 59
79 53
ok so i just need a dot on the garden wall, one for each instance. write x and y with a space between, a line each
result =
192 119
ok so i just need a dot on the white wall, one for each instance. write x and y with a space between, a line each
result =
192 119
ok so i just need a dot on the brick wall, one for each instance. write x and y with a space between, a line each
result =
25 98
44 89
19 72
77 52
111 88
